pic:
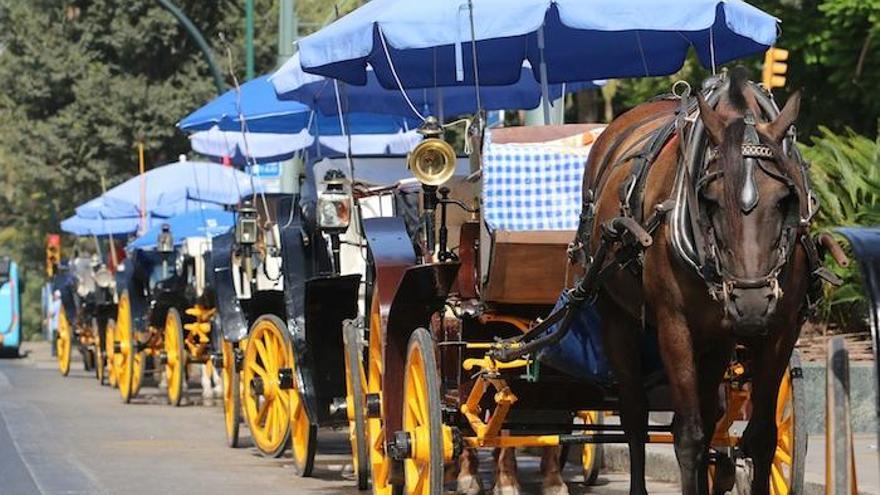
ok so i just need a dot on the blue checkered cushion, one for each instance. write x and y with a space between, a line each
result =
531 186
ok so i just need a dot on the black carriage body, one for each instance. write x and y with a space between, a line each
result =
80 310
233 319
154 286
316 300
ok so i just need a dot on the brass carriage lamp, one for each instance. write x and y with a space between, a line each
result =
165 241
246 225
432 162
334 203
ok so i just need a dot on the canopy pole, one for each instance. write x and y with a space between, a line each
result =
474 55
113 259
141 169
542 69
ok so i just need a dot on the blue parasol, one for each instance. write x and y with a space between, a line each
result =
79 226
171 190
292 83
429 42
208 223
263 112
269 148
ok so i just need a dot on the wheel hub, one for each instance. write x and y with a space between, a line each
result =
400 446
285 378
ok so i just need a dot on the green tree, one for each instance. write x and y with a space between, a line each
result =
86 79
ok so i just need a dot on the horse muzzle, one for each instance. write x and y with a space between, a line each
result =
750 309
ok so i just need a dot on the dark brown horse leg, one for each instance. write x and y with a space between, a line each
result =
677 352
759 439
620 335
712 364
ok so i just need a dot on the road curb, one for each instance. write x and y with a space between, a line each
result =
662 466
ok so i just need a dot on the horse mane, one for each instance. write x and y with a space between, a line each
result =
739 78
731 154
734 168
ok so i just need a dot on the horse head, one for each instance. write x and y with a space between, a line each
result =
753 201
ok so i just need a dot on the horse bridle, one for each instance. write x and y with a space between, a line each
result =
723 284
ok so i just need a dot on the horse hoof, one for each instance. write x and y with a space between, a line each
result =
506 490
554 489
468 485
208 402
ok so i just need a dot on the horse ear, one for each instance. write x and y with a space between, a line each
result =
777 129
712 120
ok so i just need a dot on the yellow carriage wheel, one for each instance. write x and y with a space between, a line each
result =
63 343
787 470
175 356
788 464
100 368
108 351
266 405
126 350
591 453
303 433
231 394
138 367
380 463
355 407
430 441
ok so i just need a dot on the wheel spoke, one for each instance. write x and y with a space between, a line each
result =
262 353
778 484
253 366
262 411
283 397
782 457
415 411
420 483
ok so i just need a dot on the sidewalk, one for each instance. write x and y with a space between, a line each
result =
662 466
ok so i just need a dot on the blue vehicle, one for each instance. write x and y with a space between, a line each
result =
10 307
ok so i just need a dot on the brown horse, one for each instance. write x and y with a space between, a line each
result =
748 205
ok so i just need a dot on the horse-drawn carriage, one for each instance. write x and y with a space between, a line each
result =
167 305
473 346
284 305
87 304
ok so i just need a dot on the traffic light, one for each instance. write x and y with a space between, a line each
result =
775 67
53 253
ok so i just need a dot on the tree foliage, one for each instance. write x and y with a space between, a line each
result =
846 181
86 80
834 61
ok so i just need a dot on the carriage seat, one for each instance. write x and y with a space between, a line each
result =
531 194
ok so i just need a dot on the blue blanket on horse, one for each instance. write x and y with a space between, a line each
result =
581 352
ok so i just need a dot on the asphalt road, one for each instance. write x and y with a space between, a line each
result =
71 436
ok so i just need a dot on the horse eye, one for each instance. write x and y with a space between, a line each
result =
782 202
709 197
